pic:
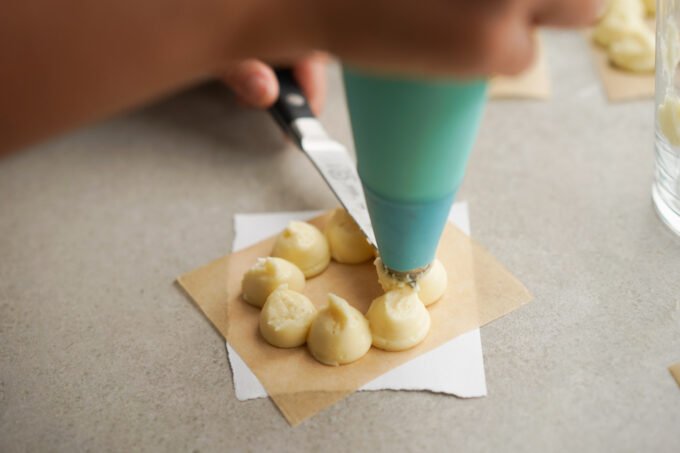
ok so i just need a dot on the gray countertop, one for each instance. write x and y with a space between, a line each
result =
101 351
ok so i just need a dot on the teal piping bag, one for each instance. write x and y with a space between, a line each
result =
413 139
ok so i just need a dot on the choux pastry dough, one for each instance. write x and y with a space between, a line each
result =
305 246
635 51
339 333
268 274
629 41
635 8
387 282
347 243
620 17
398 320
430 286
286 317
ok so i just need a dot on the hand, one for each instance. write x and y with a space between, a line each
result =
429 37
255 84
443 37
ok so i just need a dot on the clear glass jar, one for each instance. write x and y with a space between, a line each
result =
666 188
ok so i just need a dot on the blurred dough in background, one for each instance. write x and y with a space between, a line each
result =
620 16
628 39
635 51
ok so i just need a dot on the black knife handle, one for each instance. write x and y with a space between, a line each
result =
291 103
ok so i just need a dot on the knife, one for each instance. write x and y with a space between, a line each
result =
293 114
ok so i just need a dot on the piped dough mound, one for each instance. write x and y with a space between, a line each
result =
347 243
286 317
339 333
430 286
305 246
268 274
398 320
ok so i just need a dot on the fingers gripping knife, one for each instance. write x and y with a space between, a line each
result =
412 139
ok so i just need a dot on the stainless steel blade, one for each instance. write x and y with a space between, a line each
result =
337 168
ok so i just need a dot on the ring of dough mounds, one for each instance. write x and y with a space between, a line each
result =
347 243
430 286
268 274
286 317
339 334
398 320
305 246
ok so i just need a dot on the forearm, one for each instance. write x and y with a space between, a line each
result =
68 62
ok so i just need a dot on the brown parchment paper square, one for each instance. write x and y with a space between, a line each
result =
479 291
533 83
675 371
619 85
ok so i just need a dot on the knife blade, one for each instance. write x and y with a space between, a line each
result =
293 114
